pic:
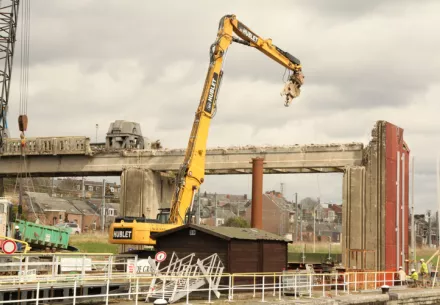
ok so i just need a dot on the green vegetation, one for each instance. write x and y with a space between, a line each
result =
237 222
93 243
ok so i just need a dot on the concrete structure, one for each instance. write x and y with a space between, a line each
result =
125 135
86 161
144 191
375 184
375 202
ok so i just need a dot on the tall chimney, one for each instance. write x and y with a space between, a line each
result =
257 193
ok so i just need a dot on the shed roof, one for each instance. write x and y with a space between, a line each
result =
228 233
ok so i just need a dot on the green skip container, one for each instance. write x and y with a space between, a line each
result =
42 236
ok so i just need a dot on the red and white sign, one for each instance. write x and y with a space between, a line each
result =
160 256
9 247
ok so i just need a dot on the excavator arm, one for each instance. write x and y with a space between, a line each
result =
192 170
137 230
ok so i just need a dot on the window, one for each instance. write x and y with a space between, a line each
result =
111 212
112 189
90 188
192 232
78 187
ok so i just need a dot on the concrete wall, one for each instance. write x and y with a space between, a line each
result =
354 210
143 191
371 204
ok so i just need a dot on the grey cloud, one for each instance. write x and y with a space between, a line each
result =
98 61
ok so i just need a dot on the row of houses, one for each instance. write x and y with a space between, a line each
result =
67 187
302 221
55 210
280 216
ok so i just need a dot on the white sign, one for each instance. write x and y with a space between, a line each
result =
47 239
75 264
30 274
143 266
160 256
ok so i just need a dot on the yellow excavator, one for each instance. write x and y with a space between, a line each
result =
138 230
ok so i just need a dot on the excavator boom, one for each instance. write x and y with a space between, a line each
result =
192 171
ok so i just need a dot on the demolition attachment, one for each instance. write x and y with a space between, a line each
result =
292 87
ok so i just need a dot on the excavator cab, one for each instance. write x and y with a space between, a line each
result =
164 215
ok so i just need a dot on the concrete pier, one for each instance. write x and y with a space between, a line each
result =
144 191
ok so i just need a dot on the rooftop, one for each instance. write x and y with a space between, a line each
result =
228 233
41 202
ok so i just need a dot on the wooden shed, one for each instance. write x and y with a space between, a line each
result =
241 250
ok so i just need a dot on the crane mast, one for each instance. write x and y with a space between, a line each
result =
8 28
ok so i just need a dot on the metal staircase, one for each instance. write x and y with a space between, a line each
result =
181 277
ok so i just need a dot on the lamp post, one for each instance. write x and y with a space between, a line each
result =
314 228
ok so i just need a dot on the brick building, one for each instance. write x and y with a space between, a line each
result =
54 210
278 214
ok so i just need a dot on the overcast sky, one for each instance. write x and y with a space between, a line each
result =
93 62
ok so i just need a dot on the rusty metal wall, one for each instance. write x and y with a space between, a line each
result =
396 198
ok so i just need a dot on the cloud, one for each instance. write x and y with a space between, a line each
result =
93 62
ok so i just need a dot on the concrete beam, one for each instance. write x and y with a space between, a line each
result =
234 160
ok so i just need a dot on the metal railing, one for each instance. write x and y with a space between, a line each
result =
60 267
262 286
49 146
